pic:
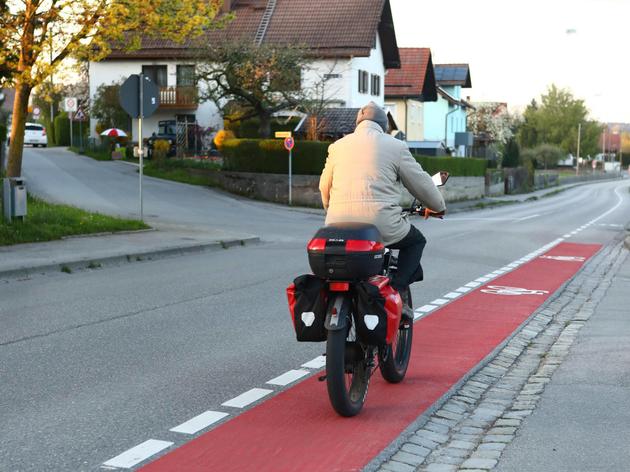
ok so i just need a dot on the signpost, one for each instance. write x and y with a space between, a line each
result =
80 117
140 98
289 142
70 104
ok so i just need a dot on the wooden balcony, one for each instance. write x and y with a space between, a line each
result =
183 98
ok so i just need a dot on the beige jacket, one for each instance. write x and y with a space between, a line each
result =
363 177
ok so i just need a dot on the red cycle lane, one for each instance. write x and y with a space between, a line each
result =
297 429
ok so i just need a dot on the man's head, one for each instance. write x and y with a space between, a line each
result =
374 113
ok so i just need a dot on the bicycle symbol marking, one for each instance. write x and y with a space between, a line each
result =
565 258
503 290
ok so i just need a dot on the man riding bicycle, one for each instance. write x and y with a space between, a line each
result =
363 180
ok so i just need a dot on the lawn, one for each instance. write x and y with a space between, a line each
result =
46 222
188 171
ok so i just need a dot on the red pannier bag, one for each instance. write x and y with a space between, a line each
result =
307 306
379 309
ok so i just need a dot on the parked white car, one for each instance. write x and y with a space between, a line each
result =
35 134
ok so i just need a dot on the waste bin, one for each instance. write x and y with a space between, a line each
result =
14 197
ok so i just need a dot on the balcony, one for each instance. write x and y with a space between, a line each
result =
178 98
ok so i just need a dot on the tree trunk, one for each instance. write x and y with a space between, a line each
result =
20 112
264 130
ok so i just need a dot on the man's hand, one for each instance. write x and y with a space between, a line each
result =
427 212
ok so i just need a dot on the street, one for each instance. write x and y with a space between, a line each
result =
96 362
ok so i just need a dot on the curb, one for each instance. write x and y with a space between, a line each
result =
81 263
627 242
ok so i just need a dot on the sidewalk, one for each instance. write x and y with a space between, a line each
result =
94 251
583 419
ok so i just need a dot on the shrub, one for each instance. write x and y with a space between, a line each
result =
62 130
221 137
270 156
160 149
511 157
625 159
3 133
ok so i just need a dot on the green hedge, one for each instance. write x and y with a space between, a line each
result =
62 130
3 133
625 159
270 156
309 157
456 166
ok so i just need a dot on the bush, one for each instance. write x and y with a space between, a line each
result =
3 133
249 128
161 147
456 166
221 137
62 130
544 155
625 160
511 157
270 156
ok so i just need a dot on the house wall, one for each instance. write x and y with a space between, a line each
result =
409 116
436 116
109 72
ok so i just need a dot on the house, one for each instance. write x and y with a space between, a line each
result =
446 117
352 43
336 122
408 88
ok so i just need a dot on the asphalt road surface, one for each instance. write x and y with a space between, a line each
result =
95 362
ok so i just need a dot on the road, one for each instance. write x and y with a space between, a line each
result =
95 362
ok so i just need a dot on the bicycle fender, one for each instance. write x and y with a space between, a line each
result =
337 314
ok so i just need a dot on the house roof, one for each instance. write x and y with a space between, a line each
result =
328 28
452 100
338 122
415 78
453 74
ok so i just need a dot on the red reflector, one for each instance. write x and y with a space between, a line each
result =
339 286
357 245
44 131
317 244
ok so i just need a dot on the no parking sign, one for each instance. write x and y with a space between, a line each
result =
289 143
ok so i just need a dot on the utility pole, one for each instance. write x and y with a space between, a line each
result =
577 162
52 107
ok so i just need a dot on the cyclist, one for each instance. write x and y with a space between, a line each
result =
363 181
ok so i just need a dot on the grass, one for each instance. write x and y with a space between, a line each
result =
99 155
494 203
47 222
179 171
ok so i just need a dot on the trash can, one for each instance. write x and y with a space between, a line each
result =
18 197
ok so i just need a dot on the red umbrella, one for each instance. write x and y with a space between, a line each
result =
113 132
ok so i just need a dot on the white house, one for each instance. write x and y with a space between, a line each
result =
352 42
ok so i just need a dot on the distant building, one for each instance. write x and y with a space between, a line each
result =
352 45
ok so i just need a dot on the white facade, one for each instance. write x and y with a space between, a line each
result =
341 87
409 117
111 72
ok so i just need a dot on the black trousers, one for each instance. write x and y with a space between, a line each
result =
409 268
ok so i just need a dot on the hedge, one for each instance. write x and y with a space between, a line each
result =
309 157
270 156
625 159
62 130
3 133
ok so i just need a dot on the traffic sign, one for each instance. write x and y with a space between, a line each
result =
289 143
79 115
129 96
283 134
70 104
36 112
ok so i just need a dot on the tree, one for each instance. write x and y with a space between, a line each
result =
494 122
555 121
511 153
261 80
106 108
31 29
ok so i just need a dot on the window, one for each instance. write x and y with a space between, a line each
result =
157 74
363 81
185 76
376 84
332 76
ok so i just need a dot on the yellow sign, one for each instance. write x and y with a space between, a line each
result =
283 134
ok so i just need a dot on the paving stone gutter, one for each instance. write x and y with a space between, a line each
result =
471 425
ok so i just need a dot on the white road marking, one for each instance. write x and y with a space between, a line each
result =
199 422
439 301
425 308
472 284
317 363
567 235
247 398
137 454
527 218
288 377
483 279
452 295
463 289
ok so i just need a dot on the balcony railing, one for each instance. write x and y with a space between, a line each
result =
178 97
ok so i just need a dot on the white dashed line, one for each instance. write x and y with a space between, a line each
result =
439 301
425 308
472 284
288 377
317 363
567 235
483 279
247 398
137 454
199 422
463 289
452 295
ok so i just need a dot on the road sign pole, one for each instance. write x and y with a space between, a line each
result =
70 118
140 142
290 176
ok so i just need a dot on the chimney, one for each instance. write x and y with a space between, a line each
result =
226 6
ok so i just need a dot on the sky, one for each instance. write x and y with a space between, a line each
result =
517 48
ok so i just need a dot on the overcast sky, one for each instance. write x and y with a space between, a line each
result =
517 48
